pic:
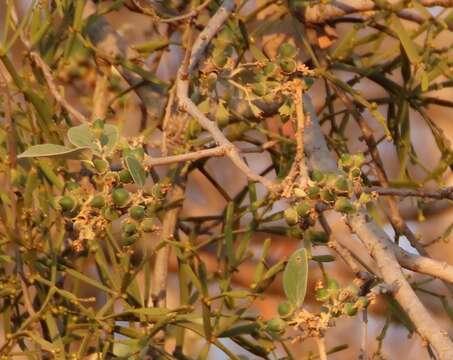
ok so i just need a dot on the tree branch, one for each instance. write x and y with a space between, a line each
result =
380 248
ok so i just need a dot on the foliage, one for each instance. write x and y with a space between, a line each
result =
91 220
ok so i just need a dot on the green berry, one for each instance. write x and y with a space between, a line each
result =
125 176
355 172
120 197
327 196
147 225
291 216
343 205
346 161
287 50
332 284
322 294
288 65
342 184
72 185
137 212
101 165
318 176
303 208
349 309
276 325
260 88
110 214
129 228
313 192
285 309
128 240
270 69
362 302
98 202
67 203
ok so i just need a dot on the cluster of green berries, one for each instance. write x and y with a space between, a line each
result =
333 190
339 301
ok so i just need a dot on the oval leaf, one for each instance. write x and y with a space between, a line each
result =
83 136
47 150
136 170
295 277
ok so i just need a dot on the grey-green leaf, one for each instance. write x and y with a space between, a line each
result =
83 136
295 277
47 150
136 169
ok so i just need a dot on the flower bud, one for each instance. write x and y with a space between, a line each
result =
291 216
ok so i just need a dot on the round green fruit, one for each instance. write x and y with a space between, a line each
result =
287 50
349 309
137 212
343 205
129 228
291 216
125 176
128 240
285 309
303 208
98 202
101 165
147 225
288 65
276 325
120 197
322 294
67 203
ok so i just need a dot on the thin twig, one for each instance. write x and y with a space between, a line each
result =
53 88
191 14
320 342
441 194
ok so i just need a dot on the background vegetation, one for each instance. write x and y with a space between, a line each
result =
169 190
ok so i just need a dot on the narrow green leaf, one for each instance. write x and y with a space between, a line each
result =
409 46
295 277
136 169
229 217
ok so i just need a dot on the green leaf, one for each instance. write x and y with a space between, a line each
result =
406 41
136 169
48 150
83 136
295 277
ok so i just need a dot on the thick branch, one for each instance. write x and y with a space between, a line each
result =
320 13
380 248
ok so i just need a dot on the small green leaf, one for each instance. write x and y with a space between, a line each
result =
84 136
47 150
406 40
136 170
295 277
